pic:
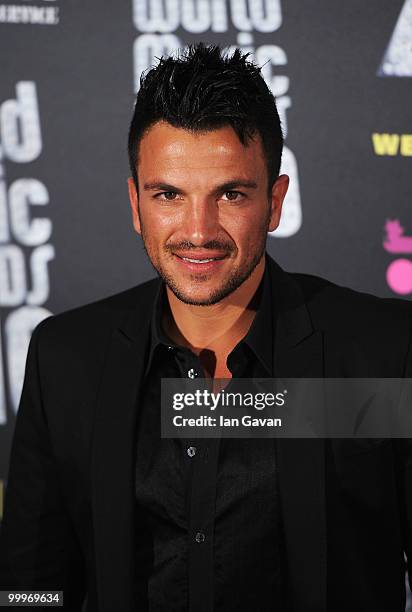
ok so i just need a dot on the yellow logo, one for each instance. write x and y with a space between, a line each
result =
392 144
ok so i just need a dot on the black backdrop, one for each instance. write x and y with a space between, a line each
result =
341 72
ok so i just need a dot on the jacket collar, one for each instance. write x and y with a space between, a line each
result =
286 295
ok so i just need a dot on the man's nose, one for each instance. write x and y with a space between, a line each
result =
201 221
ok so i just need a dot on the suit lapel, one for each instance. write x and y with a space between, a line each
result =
113 456
298 353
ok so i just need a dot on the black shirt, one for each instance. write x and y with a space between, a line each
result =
209 531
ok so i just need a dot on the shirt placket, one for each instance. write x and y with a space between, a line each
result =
202 457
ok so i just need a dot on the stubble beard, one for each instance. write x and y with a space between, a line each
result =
238 276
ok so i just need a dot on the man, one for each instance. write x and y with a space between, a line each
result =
97 503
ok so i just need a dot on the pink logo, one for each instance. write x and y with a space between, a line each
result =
399 272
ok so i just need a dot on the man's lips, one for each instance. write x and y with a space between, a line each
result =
201 258
200 262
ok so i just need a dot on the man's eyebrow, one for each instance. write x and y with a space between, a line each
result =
227 186
158 186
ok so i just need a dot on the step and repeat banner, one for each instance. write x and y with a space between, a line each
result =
342 75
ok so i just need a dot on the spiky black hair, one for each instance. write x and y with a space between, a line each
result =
202 89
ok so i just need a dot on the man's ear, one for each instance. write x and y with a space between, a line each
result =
279 190
134 203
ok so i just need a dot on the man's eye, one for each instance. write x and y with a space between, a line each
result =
233 195
166 195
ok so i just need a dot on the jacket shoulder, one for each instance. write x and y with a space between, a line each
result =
381 328
338 303
93 320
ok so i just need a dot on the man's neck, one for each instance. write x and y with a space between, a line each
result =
219 327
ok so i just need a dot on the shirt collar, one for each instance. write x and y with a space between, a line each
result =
259 338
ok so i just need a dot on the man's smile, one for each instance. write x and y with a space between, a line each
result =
200 262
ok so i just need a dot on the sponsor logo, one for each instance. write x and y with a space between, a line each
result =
42 13
397 59
392 144
399 271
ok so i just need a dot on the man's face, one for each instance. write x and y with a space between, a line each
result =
203 211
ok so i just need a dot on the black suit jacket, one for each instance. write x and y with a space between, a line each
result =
69 506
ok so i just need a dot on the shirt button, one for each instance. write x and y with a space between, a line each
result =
200 537
191 451
170 348
192 373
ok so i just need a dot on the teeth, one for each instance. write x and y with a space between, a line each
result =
199 261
